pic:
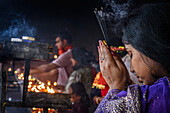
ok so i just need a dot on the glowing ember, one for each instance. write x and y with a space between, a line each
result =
55 84
9 69
40 110
29 86
42 86
29 77
30 83
55 56
34 89
38 86
39 82
33 79
48 83
21 76
50 90
15 72
34 108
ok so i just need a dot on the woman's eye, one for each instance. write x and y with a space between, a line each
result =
130 54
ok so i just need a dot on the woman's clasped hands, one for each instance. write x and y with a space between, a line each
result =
112 68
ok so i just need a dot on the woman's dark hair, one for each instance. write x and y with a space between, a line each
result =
79 89
147 29
83 57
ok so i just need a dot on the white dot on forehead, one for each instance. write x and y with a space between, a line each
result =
126 47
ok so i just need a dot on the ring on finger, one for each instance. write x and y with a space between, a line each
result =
102 59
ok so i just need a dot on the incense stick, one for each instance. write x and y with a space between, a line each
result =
101 20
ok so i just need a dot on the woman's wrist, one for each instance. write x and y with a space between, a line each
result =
119 86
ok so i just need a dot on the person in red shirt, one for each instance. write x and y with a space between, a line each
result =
60 68
99 83
63 42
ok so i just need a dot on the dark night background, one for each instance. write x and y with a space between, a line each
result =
50 17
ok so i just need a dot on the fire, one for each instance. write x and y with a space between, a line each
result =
55 56
55 84
41 86
15 72
34 108
50 90
39 82
30 83
20 76
9 69
34 89
29 77
40 110
38 86
48 83
29 86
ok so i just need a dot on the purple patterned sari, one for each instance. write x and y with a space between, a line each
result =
138 99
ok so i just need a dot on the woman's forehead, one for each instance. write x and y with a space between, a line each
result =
128 46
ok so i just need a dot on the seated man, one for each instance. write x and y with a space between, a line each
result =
59 69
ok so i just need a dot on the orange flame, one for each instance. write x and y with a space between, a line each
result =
38 87
48 83
55 84
9 69
55 56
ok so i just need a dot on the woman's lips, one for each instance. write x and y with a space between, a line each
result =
139 79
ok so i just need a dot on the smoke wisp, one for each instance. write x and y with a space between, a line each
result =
18 28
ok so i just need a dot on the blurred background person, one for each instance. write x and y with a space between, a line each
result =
79 98
63 42
60 68
84 72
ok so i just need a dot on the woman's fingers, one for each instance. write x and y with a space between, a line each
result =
112 67
119 62
104 54
107 64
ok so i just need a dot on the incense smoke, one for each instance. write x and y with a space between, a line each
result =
115 12
18 28
112 14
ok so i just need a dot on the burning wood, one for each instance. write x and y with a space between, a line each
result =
57 101
38 86
40 110
39 92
